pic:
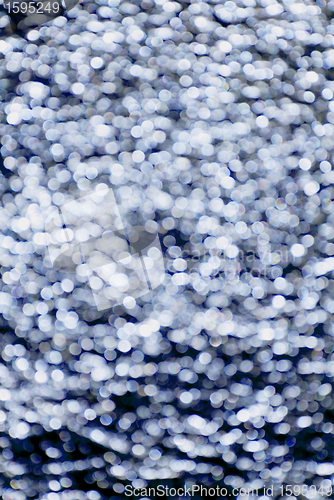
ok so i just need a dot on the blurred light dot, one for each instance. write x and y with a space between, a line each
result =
124 346
138 156
90 414
305 164
297 250
78 88
96 62
311 188
278 301
304 422
262 121
67 285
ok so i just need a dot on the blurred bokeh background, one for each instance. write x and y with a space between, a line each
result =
213 124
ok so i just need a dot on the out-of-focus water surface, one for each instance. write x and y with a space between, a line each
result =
213 124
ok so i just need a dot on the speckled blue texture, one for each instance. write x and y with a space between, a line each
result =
213 124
